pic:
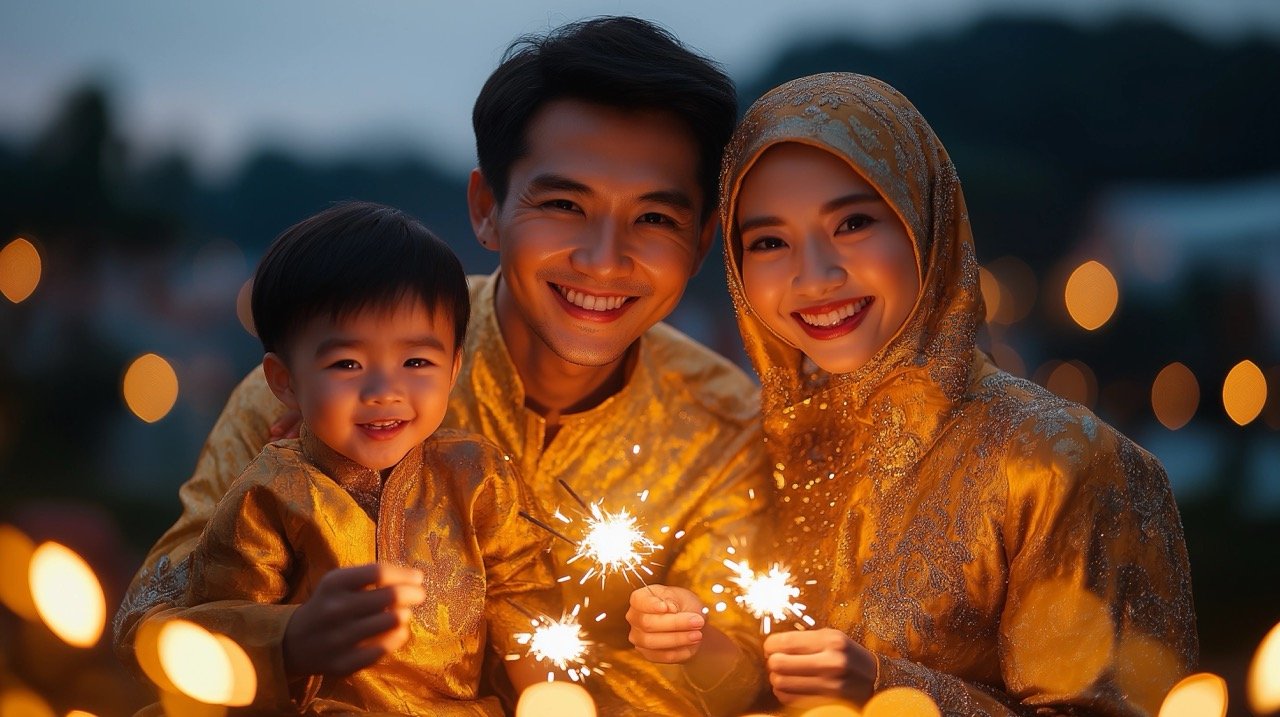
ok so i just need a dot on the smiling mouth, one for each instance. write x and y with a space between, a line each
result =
592 302
832 318
389 425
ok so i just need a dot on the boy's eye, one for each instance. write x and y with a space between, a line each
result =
765 244
419 363
855 222
345 364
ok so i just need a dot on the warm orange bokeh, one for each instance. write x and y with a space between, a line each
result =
21 702
1073 381
563 699
1263 686
244 308
901 702
15 583
1198 695
1054 614
150 387
67 595
1244 392
1092 295
20 269
1175 395
204 666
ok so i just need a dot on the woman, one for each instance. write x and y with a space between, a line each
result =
952 528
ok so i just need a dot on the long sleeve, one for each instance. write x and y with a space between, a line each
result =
241 431
1098 614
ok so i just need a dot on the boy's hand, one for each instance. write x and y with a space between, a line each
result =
824 663
355 616
666 623
286 426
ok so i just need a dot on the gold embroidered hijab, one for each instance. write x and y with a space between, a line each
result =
885 139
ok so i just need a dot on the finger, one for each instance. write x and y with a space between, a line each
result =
344 607
664 640
805 685
679 622
364 630
653 599
349 579
398 575
390 640
830 664
358 658
797 643
667 657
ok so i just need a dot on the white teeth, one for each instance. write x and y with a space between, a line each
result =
831 318
382 424
591 302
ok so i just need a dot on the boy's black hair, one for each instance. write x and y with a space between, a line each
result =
620 62
350 257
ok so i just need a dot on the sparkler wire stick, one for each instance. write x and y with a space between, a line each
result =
547 528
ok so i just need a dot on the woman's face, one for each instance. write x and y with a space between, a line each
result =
826 262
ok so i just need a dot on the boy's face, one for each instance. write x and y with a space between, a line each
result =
373 385
600 229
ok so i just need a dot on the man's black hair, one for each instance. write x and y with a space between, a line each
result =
350 257
620 62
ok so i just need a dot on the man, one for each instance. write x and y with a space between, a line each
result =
599 148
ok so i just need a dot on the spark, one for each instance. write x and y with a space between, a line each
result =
558 642
768 595
614 543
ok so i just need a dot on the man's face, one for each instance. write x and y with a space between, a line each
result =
373 385
600 230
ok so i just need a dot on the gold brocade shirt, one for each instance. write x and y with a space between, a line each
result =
449 508
995 546
679 447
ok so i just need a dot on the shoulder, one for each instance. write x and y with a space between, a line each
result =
465 454
699 378
279 467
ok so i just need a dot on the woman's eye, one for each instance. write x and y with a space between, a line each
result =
765 244
855 222
345 364
418 363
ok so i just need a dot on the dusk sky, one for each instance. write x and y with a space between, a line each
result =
330 76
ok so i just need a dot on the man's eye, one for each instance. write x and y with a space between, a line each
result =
656 218
419 363
856 222
765 244
345 364
562 204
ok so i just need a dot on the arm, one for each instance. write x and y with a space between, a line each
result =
240 433
1098 616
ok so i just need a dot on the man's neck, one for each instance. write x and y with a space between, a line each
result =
553 386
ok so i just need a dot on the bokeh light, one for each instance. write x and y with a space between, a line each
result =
19 269
244 307
1198 695
1263 685
901 702
67 594
207 667
1244 392
1145 668
1175 395
563 699
1007 359
831 709
1071 380
1092 295
21 702
1018 285
15 583
994 296
1056 613
150 387
80 713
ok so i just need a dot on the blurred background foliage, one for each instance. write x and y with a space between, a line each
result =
1131 142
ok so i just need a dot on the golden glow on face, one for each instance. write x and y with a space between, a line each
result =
21 702
150 387
1244 392
1092 295
207 667
1199 695
15 586
1053 614
19 270
67 595
1263 686
1175 395
563 699
901 701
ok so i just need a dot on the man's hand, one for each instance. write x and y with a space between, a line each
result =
286 426
823 663
355 616
666 623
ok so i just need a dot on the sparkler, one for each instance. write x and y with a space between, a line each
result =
559 642
768 595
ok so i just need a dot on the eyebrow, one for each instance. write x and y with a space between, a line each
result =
550 182
831 206
430 342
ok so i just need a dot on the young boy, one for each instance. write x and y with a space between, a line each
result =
362 313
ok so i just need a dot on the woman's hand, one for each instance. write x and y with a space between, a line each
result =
666 623
819 663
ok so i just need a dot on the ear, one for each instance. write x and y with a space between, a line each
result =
483 208
705 237
279 379
457 364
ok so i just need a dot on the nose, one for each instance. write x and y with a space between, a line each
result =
601 251
380 387
819 268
